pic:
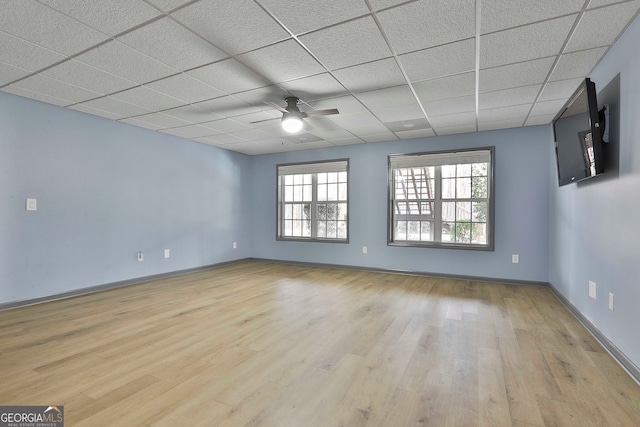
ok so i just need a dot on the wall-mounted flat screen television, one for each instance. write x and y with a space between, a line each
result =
578 129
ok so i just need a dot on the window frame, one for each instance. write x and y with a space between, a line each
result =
316 167
489 246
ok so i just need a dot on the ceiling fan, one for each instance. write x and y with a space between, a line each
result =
292 116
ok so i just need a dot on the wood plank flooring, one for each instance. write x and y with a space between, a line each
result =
263 344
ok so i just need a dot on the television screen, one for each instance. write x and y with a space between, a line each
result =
578 136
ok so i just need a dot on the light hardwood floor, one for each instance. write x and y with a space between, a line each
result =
256 343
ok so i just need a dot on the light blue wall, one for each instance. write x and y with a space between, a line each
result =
594 228
521 196
105 191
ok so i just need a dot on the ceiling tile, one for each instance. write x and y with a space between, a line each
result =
577 64
371 130
514 75
600 27
192 114
428 23
57 89
292 62
383 4
562 89
228 106
446 87
158 121
547 107
345 104
226 24
411 134
258 97
347 141
500 14
46 27
251 134
380 138
220 139
400 112
355 120
446 106
123 61
172 44
331 135
111 17
516 112
186 88
449 130
313 88
229 76
454 120
453 58
524 43
88 77
370 76
301 138
598 3
9 73
539 120
167 5
35 95
190 131
23 54
507 97
115 106
94 111
359 41
140 123
226 126
148 98
301 17
389 97
408 124
500 124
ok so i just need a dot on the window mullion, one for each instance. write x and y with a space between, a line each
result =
437 205
314 205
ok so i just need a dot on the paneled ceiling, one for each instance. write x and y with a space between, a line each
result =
203 69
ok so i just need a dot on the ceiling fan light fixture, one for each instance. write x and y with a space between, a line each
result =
291 122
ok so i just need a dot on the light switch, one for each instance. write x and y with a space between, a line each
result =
32 204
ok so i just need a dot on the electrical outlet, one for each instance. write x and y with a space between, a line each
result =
235 245
140 257
592 289
610 301
167 253
364 249
515 258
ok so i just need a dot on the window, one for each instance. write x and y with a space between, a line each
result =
313 201
442 199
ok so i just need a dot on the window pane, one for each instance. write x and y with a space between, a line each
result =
342 191
462 231
306 194
322 229
400 230
332 191
308 178
464 188
479 211
342 229
479 169
425 231
448 171
322 178
322 192
332 177
288 194
342 176
449 211
446 232
288 180
413 230
479 187
448 188
342 212
464 170
479 234
463 211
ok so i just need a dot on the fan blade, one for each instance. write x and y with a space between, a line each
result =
266 120
276 106
318 113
